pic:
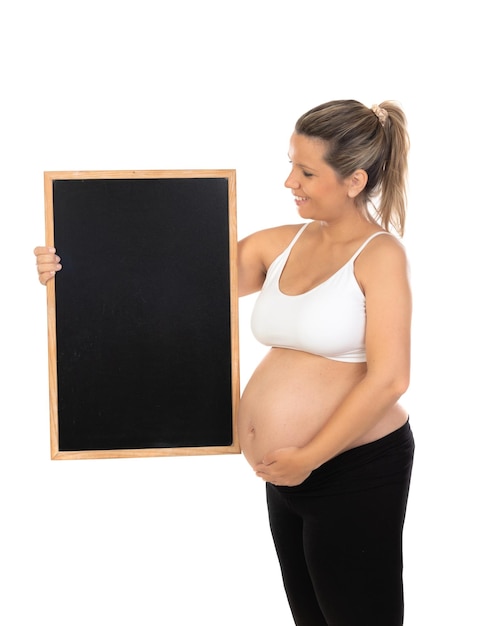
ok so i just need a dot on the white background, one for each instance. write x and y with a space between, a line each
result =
168 85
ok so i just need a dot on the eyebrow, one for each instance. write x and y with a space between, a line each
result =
307 167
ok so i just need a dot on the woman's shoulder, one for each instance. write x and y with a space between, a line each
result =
279 231
270 242
381 253
381 243
277 235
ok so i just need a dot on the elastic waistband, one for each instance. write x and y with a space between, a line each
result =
377 461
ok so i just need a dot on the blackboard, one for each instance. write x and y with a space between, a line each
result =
142 318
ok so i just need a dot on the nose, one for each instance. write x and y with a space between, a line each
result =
290 182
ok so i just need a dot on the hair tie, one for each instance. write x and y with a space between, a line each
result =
381 114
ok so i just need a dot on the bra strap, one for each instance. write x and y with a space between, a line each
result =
294 240
367 241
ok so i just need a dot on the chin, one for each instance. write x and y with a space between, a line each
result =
306 215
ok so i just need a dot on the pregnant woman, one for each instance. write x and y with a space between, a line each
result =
320 420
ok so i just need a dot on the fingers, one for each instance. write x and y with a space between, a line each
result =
47 263
44 250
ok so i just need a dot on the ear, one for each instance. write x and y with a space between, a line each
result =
357 183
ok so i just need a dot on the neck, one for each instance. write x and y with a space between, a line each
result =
351 225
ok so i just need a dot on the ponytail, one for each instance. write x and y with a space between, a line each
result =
391 208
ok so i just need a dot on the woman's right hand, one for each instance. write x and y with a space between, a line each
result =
47 262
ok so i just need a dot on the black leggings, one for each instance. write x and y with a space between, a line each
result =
338 535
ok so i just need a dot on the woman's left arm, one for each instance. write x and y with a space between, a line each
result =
382 272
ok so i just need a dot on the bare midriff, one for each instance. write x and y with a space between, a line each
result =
290 397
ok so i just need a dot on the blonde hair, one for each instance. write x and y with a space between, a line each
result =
374 140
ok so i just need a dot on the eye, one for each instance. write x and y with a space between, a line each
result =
307 174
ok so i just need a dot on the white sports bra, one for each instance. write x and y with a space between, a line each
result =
328 320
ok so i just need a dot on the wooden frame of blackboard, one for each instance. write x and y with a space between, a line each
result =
67 188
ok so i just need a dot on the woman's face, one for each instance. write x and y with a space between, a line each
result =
318 191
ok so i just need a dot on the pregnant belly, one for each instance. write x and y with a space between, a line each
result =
289 398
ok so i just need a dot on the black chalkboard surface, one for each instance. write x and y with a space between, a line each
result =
142 319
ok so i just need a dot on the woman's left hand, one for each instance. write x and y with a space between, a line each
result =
285 467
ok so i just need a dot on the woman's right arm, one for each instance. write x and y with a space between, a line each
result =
256 253
251 267
47 263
